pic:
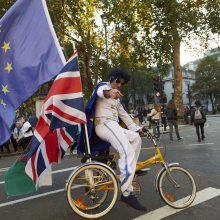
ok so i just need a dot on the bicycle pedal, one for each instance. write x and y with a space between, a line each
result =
142 172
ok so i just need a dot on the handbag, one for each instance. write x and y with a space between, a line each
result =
149 118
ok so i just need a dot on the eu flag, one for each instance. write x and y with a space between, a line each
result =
30 55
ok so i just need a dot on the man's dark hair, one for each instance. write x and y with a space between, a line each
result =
119 73
198 103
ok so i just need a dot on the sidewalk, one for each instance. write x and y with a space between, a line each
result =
12 153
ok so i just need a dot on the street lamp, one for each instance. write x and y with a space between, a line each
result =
105 23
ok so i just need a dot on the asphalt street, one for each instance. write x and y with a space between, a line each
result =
200 158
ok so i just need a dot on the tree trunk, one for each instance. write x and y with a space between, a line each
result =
85 58
89 84
212 102
178 98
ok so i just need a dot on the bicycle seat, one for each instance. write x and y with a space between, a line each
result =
103 157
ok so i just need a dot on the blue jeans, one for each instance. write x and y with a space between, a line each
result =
156 127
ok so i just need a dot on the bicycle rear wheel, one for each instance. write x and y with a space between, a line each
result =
92 191
177 187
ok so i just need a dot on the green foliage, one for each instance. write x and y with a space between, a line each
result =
207 79
207 76
5 5
140 34
140 85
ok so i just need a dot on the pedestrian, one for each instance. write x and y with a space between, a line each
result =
33 120
155 119
5 145
149 117
199 119
186 113
164 117
172 119
15 134
13 141
140 115
25 133
144 114
106 100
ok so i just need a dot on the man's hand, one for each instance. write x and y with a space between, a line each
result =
140 131
113 93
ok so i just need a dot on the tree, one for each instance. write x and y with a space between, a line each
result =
172 21
208 79
5 5
140 85
76 23
130 24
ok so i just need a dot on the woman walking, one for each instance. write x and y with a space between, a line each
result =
172 119
155 119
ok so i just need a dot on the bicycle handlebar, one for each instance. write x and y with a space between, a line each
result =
149 135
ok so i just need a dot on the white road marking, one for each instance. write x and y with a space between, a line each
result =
4 169
53 172
31 197
157 214
201 144
63 170
149 148
201 196
36 196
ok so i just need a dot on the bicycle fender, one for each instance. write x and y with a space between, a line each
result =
75 169
161 171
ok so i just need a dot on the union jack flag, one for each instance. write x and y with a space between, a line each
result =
62 112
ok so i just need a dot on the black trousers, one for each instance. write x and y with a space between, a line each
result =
200 130
14 143
6 145
25 141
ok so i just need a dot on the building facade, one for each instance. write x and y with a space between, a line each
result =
188 78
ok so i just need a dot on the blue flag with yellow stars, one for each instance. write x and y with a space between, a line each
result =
30 55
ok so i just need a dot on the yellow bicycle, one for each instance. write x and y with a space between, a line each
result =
92 188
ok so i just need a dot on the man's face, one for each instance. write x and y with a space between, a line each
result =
118 83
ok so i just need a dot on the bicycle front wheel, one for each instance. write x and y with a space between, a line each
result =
177 187
92 191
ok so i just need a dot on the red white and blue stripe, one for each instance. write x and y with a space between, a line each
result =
62 112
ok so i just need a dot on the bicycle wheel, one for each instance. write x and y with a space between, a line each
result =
92 191
177 188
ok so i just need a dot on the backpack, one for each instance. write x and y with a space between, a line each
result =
198 114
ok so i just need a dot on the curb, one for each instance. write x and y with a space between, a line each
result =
9 154
212 116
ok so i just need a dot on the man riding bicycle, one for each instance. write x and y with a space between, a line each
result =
108 110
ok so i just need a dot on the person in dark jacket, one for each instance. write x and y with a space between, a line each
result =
6 145
172 119
163 117
199 119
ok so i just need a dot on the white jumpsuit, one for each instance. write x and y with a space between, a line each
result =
126 142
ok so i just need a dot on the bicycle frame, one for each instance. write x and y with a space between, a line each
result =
157 158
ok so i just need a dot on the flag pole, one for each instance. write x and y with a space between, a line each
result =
87 143
88 151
